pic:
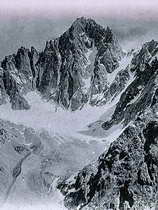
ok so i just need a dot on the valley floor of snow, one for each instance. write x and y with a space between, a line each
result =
69 128
42 115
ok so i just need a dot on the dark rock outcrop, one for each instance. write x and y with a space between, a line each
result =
124 177
2 88
19 76
142 92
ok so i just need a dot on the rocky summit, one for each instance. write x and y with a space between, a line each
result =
71 71
84 69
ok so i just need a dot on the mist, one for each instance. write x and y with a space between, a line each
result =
32 31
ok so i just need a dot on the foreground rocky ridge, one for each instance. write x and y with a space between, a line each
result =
126 175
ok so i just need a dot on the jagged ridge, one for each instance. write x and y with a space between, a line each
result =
64 72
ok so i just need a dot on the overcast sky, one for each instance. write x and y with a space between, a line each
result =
68 8
32 22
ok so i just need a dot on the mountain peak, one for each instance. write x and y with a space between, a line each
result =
84 20
60 72
92 30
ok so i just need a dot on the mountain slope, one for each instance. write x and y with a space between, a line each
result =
126 175
71 71
18 76
83 68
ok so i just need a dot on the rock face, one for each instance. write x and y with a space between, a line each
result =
71 71
68 74
126 175
2 88
143 90
19 76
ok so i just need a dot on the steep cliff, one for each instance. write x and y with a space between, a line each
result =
73 70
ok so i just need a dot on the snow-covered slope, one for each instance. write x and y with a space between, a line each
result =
45 115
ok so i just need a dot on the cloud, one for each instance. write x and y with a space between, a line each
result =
35 31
